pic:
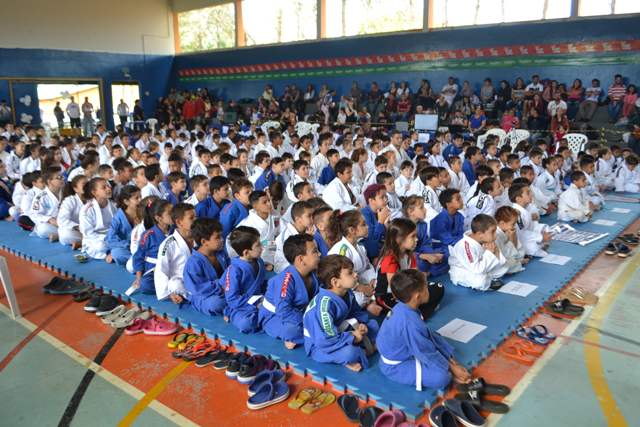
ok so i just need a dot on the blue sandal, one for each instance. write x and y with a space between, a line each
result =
269 394
531 335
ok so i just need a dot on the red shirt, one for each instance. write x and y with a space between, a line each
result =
189 109
389 264
404 106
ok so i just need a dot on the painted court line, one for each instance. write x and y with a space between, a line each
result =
108 376
554 347
601 346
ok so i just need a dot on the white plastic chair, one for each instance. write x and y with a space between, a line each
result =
517 135
502 135
151 124
481 139
576 142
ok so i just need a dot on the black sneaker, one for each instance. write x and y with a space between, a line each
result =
496 284
55 283
107 303
94 302
623 251
68 287
235 364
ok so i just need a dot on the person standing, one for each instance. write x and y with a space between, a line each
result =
57 111
87 117
123 112
73 111
138 115
5 113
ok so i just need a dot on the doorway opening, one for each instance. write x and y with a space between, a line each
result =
127 92
50 94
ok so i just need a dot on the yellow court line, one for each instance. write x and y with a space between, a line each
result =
593 359
152 394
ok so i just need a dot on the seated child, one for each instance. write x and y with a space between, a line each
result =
627 177
173 254
44 208
425 185
200 187
157 223
376 214
289 293
429 260
604 176
338 193
587 165
447 227
119 235
328 173
212 205
234 212
261 219
7 209
476 261
327 227
410 353
573 205
353 229
403 181
483 202
458 180
334 324
393 201
533 235
205 267
177 187
154 177
271 174
507 239
547 182
95 219
542 203
244 280
302 217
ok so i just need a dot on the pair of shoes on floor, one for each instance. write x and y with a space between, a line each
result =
451 410
102 304
268 388
393 418
349 404
120 317
620 249
151 326
59 286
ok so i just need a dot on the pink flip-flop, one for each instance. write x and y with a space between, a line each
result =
392 418
159 327
135 328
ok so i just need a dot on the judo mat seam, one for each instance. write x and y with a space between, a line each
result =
501 313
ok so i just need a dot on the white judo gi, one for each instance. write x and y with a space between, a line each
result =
361 265
471 265
173 254
573 205
69 220
44 207
94 224
530 232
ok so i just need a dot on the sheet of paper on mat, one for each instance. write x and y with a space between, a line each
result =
461 330
606 222
620 210
556 259
517 288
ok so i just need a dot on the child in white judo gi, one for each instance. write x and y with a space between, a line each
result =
483 202
69 213
338 193
302 222
533 235
425 185
587 165
627 176
574 204
507 239
261 219
476 261
403 181
95 219
44 207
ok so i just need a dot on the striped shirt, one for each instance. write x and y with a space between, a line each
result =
616 92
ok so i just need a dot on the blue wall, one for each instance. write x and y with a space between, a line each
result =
526 33
151 71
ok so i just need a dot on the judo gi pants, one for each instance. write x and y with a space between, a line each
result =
68 237
245 319
286 331
433 377
348 354
120 255
147 285
212 305
44 229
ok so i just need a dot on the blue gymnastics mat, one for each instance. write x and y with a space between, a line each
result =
501 313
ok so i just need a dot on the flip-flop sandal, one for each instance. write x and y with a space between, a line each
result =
564 307
198 351
530 347
192 339
479 385
321 401
611 249
269 394
629 239
263 377
112 315
516 353
178 354
580 296
392 418
349 405
527 334
484 404
178 338
542 331
369 415
305 395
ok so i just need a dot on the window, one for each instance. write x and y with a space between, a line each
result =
607 7
355 17
454 13
279 21
209 28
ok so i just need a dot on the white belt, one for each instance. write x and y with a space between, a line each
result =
151 260
255 299
306 333
267 305
418 369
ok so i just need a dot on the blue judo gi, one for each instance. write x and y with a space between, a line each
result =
266 179
171 198
242 281
410 353
446 230
231 215
322 245
202 282
284 303
451 150
425 246
467 169
374 241
327 175
146 258
208 208
327 336
118 238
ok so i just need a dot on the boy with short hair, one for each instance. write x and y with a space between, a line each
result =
403 182
45 204
335 325
262 161
410 353
472 158
173 254
261 219
393 201
380 165
588 165
532 234
376 214
543 204
200 187
447 228
476 261
244 280
425 185
328 173
232 213
573 204
627 177
199 167
546 182
301 222
338 194
211 206
289 293
205 267
271 174
178 184
428 259
154 177
458 178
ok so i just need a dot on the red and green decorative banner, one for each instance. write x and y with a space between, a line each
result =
571 54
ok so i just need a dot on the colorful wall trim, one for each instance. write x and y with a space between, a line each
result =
553 54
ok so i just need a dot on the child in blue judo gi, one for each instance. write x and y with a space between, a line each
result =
205 267
158 222
448 226
177 187
335 326
244 280
271 174
410 353
289 293
119 235
211 206
430 260
238 209
375 214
